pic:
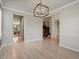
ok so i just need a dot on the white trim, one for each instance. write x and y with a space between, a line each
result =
10 44
1 3
32 40
17 10
67 34
4 45
70 48
6 33
51 12
67 5
60 8
0 48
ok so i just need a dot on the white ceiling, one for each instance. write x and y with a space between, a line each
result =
28 5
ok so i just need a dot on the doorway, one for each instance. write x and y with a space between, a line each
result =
51 28
46 28
18 28
56 30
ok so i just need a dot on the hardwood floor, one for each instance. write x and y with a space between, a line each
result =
43 49
18 38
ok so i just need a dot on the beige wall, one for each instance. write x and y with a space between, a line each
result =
32 27
55 30
69 27
0 19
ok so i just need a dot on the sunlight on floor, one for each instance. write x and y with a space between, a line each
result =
15 39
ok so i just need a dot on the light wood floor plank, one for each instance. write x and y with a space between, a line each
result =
45 49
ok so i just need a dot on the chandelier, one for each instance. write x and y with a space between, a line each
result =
40 10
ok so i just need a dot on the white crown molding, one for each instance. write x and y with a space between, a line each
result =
50 13
67 5
12 9
1 3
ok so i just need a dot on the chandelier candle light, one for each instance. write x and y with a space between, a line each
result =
40 10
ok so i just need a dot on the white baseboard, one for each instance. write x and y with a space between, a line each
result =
0 48
32 40
70 48
4 45
10 44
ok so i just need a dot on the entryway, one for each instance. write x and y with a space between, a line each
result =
51 28
46 28
18 28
